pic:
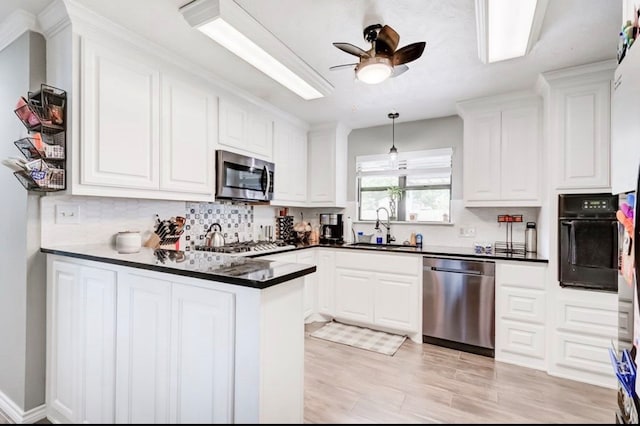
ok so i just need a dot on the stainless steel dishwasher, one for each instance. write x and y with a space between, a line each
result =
458 304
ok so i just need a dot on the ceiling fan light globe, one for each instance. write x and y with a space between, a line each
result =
374 73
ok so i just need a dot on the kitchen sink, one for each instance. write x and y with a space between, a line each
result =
382 246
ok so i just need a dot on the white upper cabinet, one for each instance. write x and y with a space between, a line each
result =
120 123
245 129
144 131
502 148
290 158
327 166
625 125
579 111
189 129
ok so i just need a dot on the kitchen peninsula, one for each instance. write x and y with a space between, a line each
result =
173 337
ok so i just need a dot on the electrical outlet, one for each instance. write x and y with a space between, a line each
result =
67 213
467 231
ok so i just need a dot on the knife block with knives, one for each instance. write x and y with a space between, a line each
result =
167 233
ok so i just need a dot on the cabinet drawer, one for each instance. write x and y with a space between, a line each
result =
583 353
521 304
521 275
589 317
375 262
515 340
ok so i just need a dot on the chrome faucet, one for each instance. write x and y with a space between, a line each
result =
387 226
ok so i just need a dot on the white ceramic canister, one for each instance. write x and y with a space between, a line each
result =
128 242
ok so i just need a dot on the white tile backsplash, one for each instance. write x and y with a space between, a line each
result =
101 218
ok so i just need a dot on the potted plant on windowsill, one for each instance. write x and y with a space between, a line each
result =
395 195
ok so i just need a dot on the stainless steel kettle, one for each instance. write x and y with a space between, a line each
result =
214 238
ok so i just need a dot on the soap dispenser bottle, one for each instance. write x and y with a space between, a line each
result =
379 237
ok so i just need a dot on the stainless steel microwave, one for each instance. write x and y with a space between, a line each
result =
240 177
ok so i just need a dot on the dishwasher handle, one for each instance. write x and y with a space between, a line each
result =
456 271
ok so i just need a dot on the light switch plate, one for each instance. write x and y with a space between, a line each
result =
67 213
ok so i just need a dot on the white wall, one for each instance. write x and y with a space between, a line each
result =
22 267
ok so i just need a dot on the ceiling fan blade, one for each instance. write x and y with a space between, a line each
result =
351 49
339 67
408 53
399 69
387 40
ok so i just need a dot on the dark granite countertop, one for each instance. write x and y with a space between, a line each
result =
237 270
425 250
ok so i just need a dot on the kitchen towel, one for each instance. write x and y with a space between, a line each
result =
360 337
591 243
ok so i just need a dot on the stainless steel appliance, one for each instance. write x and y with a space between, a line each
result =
248 248
331 228
588 241
458 304
239 177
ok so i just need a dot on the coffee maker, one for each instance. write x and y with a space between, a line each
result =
331 228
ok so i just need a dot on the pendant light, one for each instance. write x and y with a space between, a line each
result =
393 152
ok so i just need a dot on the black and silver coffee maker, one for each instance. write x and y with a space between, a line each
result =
331 228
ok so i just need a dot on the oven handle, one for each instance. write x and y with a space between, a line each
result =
266 189
569 223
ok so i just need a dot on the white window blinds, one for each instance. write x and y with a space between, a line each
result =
433 163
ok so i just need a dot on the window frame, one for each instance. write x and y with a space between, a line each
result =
401 208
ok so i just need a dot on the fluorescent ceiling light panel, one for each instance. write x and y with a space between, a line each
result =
233 28
508 28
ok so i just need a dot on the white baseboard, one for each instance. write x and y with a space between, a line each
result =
15 413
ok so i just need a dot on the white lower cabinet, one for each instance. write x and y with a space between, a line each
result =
354 295
133 348
142 362
97 350
326 281
81 344
307 257
586 322
379 290
521 314
201 331
395 300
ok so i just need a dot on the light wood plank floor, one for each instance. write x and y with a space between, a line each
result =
431 384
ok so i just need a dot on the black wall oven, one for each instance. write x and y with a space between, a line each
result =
588 241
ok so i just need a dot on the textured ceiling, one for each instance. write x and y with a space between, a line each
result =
574 32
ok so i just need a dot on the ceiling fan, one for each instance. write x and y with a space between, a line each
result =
382 60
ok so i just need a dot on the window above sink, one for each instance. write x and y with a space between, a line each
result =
416 188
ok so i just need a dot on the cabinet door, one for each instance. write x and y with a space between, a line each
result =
233 125
142 354
625 126
396 301
326 282
97 346
520 154
299 165
120 119
482 156
354 295
260 140
202 355
310 282
62 394
283 158
189 133
583 135
321 168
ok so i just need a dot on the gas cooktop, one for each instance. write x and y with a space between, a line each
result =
248 248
